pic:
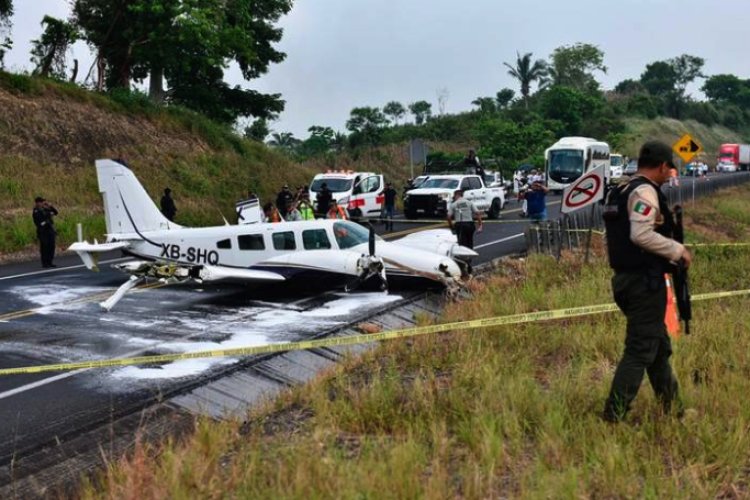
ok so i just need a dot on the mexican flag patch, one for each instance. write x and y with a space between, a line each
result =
642 208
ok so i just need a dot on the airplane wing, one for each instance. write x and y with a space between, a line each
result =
440 241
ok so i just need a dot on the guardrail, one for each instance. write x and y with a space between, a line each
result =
574 230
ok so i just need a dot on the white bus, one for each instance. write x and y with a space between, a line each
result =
571 157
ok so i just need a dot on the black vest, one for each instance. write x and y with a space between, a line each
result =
624 255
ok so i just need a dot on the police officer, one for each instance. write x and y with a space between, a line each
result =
323 200
473 165
641 250
284 200
45 230
389 205
168 208
461 215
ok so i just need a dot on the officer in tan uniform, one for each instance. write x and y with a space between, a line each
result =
461 215
641 250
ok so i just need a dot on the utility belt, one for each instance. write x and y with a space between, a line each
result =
652 274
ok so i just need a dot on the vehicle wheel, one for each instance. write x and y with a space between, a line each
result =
494 212
410 214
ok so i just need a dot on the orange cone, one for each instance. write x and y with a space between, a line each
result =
671 315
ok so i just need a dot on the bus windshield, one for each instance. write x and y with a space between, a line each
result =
565 165
334 184
616 160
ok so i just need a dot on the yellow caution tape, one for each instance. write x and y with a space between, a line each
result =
697 245
512 319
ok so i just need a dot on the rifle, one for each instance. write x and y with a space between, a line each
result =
680 276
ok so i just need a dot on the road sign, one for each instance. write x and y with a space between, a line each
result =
588 189
686 148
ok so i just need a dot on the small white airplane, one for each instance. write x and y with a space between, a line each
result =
330 253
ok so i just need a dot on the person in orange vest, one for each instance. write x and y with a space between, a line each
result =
271 213
336 211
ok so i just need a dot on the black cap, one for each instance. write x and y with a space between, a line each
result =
654 153
38 199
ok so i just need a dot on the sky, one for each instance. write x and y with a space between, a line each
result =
343 54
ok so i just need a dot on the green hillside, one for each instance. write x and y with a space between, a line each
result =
51 133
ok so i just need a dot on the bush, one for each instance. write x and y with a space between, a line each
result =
20 84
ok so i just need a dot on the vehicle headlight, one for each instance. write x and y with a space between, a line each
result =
343 201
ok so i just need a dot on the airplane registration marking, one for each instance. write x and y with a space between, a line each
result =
192 254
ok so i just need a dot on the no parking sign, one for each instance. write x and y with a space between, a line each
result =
588 189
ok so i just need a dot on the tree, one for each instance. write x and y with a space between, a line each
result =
6 12
422 111
395 110
527 73
258 130
50 50
190 43
512 142
485 104
659 78
283 140
320 141
686 68
630 87
366 124
569 106
723 88
504 97
574 66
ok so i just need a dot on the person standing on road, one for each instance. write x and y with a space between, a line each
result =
536 201
45 230
641 250
336 211
461 215
284 200
168 208
323 200
389 205
304 207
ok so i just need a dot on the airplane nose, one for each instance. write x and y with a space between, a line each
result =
462 252
450 269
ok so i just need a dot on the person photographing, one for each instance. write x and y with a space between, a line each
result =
641 249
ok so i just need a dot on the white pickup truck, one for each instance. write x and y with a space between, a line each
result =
432 197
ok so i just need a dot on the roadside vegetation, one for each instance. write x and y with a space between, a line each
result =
504 412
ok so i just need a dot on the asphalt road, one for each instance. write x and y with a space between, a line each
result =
50 316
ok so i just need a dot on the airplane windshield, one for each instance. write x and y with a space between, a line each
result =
439 183
335 185
349 234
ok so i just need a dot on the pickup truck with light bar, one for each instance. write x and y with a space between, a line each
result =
432 197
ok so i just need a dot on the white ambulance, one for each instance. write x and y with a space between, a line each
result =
360 192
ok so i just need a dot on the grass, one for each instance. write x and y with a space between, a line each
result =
506 412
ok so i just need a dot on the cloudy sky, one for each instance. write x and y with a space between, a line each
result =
347 53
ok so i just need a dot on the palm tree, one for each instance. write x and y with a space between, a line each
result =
527 73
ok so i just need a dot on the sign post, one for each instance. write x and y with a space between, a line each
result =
586 190
686 148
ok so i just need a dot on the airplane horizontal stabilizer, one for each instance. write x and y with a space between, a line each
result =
220 273
89 252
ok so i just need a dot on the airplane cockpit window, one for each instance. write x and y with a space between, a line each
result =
251 242
349 234
315 239
224 244
284 241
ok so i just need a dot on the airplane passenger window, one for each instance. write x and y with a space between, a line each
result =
224 244
315 239
284 241
251 242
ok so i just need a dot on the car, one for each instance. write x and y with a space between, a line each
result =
726 166
432 197
631 168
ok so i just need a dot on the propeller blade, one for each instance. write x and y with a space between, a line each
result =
372 240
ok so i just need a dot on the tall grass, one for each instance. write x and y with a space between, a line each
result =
504 412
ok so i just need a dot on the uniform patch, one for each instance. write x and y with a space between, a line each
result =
642 208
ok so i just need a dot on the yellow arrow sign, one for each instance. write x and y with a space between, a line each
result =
686 148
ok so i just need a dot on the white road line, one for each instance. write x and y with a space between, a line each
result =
498 241
57 270
63 376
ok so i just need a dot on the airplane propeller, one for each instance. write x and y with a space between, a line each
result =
371 266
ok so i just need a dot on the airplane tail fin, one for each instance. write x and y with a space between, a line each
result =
128 209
